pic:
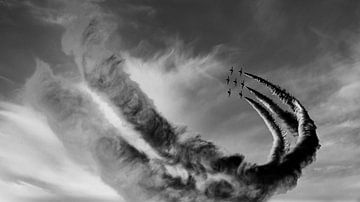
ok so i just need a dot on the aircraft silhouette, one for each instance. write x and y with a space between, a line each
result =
229 92
235 82
240 94
242 84
241 71
228 80
231 70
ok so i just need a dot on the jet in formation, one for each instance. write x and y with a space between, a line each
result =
240 94
241 71
235 82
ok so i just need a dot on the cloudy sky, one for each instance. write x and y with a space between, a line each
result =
179 51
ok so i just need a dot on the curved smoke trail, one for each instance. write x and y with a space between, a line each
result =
144 157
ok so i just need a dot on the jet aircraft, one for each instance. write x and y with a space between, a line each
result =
242 84
241 71
235 82
231 70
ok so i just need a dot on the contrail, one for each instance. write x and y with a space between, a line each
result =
115 119
7 80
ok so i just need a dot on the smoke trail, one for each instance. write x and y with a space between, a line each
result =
89 137
128 133
7 79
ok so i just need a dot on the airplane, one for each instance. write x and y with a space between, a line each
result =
242 84
240 94
229 92
235 82
228 80
231 70
241 71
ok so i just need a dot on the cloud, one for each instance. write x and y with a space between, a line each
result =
24 35
35 165
243 28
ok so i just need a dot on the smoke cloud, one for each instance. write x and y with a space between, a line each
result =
112 126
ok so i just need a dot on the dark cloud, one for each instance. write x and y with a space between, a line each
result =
279 32
24 36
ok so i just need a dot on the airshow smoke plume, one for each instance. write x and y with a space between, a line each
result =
143 156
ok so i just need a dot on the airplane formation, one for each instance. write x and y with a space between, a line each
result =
235 82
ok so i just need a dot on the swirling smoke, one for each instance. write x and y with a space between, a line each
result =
106 121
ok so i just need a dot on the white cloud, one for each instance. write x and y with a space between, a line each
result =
34 164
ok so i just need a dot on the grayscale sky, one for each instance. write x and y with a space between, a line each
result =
180 51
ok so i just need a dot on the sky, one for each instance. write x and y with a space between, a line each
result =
179 52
